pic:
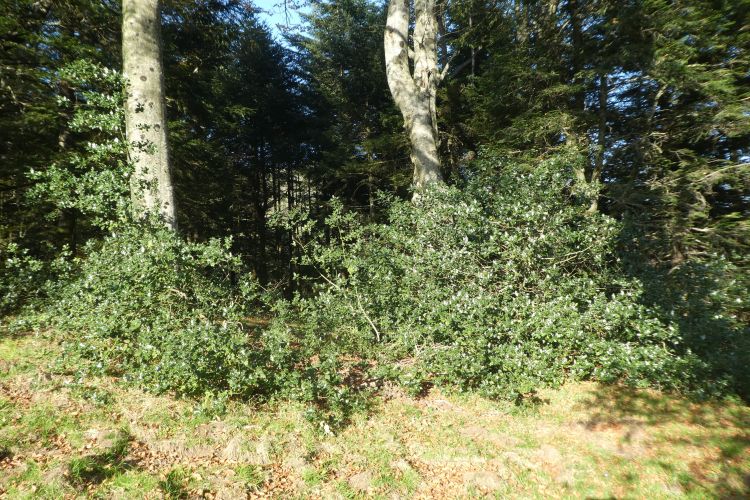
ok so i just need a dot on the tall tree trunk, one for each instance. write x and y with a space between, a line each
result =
289 253
415 93
522 24
145 114
576 36
371 194
440 16
575 134
261 205
473 49
601 139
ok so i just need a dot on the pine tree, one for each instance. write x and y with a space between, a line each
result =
341 59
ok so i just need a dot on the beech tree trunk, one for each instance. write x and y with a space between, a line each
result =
145 113
414 93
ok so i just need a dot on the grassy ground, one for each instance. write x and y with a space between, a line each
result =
61 437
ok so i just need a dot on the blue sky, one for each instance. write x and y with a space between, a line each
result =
273 14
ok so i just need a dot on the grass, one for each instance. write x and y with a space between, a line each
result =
96 468
61 437
174 484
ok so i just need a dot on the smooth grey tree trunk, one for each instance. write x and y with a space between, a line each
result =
414 93
145 114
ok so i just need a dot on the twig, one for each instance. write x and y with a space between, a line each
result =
362 309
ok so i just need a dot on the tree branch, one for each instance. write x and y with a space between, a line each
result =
456 71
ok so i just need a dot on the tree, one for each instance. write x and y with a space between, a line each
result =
358 129
40 41
145 117
238 125
415 92
656 102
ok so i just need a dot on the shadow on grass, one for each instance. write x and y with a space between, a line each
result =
173 486
93 469
722 427
705 301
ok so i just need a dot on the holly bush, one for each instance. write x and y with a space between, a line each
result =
502 285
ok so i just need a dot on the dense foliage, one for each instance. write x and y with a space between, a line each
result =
594 226
176 316
504 285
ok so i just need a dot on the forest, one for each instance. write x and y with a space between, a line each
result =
498 202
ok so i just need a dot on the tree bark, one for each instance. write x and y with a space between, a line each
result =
415 93
576 36
601 140
145 115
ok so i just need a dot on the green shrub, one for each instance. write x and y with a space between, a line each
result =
25 279
19 273
501 286
91 177
708 302
169 315
166 314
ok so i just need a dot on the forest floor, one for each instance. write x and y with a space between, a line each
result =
62 438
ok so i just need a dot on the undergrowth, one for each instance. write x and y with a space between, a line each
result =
502 285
